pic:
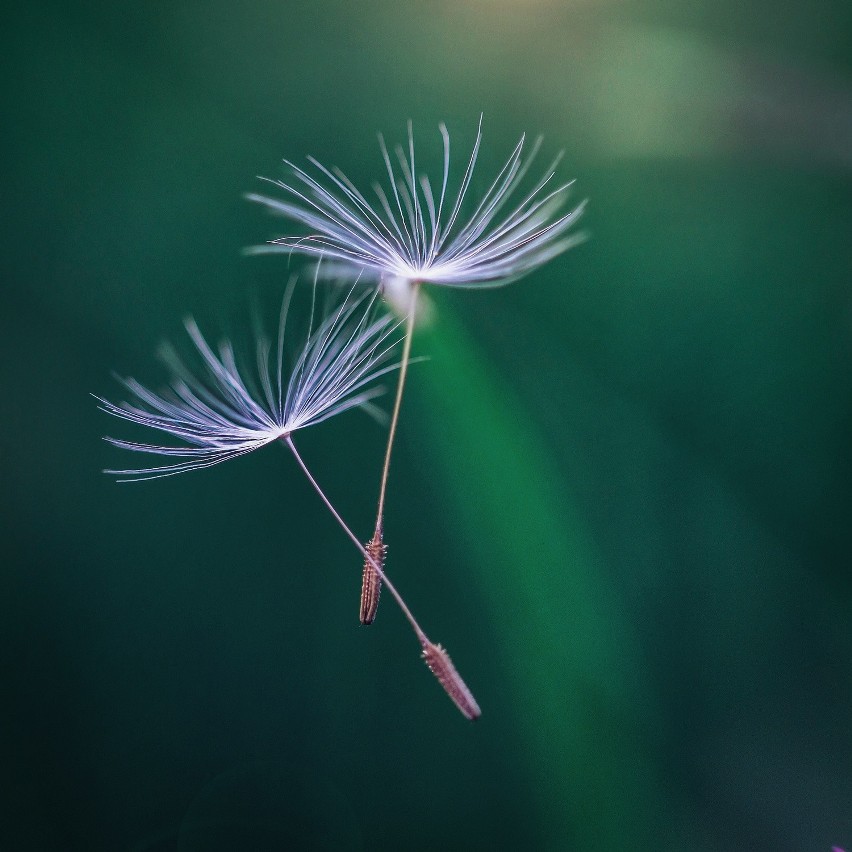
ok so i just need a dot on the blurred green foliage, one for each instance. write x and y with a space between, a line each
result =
623 486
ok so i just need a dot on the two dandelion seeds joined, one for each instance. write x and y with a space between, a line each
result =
413 233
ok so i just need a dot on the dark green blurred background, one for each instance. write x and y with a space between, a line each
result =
621 495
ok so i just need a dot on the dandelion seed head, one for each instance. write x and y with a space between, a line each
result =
222 411
419 231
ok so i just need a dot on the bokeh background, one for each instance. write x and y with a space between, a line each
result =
622 490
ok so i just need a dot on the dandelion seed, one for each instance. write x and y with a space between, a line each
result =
218 416
221 415
371 583
415 233
442 667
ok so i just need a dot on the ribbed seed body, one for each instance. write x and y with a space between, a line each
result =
371 583
442 667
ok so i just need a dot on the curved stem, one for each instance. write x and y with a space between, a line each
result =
424 640
400 386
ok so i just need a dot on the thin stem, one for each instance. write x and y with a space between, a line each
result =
400 385
435 656
424 640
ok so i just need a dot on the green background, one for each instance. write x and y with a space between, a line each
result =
622 488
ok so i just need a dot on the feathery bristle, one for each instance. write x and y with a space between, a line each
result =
417 229
371 582
442 667
218 415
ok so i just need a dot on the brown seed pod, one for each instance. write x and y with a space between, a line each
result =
442 667
371 582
